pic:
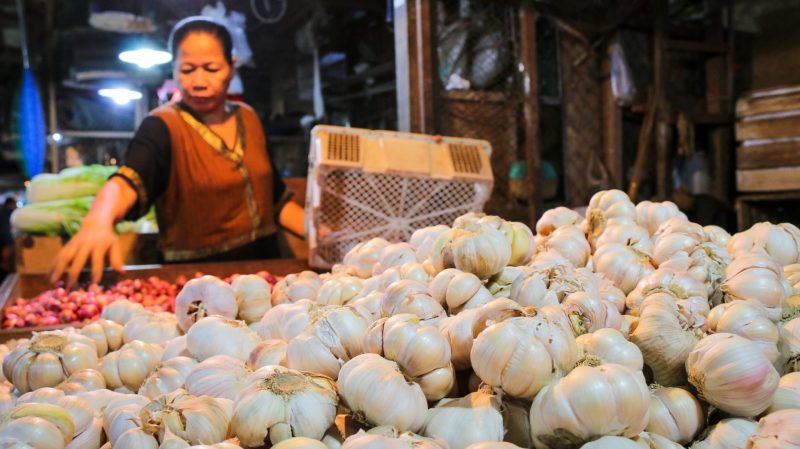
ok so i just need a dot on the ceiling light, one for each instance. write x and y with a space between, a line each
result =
145 57
56 137
120 96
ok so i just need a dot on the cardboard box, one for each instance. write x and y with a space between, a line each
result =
35 254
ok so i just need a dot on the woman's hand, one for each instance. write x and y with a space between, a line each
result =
96 239
95 242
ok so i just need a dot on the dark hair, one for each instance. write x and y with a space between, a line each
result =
205 25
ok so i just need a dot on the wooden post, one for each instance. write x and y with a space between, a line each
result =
530 106
662 101
415 65
719 101
612 126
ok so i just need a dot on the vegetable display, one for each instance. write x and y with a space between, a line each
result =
629 328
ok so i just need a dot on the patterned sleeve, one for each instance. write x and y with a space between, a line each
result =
147 164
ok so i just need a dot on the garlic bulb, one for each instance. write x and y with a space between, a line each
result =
278 403
555 218
175 348
730 433
475 248
82 416
755 276
48 359
789 346
518 235
422 240
130 365
151 328
675 413
393 440
333 336
747 319
676 236
788 393
608 207
706 263
732 373
215 335
459 290
339 290
472 419
170 376
539 286
611 442
422 353
780 241
202 297
300 443
664 342
106 334
267 352
365 374
413 271
588 313
220 376
651 215
197 420
625 266
370 303
631 235
363 257
253 297
610 293
31 432
506 355
459 329
294 287
122 414
408 300
717 235
394 255
778 430
122 310
590 402
286 321
499 285
687 292
83 380
610 346
568 241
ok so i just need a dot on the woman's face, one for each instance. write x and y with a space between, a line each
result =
202 72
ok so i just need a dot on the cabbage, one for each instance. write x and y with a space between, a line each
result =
52 217
74 182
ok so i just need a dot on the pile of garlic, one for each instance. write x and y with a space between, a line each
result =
631 327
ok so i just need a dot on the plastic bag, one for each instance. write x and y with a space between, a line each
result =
622 83
234 21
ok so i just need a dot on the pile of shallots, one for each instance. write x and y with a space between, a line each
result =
631 327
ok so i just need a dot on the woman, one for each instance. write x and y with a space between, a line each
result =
202 161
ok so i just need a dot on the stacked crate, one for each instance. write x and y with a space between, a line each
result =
768 156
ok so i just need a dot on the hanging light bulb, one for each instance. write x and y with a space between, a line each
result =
145 57
120 95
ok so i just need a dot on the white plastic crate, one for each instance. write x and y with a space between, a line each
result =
364 184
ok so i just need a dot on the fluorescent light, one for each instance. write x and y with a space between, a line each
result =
145 57
120 95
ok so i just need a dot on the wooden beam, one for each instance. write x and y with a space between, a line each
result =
768 129
746 107
768 155
612 127
660 76
768 179
530 106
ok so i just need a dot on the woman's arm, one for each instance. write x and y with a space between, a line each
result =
293 218
96 238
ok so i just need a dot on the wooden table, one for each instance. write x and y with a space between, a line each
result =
29 285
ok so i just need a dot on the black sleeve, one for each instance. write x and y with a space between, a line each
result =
147 163
280 194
